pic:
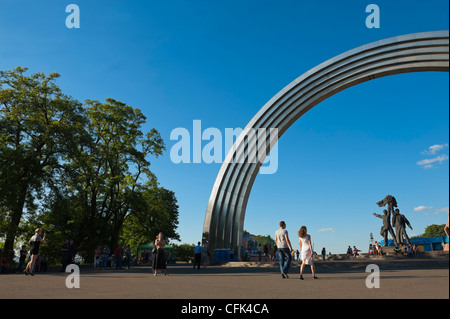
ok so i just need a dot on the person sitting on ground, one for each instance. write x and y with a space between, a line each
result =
355 251
416 249
380 250
349 250
409 251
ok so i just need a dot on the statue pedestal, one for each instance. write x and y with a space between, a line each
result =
389 250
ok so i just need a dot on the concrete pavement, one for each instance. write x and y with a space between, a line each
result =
426 280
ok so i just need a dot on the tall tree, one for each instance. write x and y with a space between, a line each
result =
38 126
104 174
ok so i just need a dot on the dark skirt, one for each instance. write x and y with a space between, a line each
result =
159 259
34 248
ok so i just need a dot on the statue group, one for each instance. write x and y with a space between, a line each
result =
399 221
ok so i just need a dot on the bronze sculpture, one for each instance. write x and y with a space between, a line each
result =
399 221
386 227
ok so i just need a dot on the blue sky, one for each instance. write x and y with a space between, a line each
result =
220 62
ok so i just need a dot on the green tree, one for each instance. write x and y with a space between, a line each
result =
154 210
38 126
103 175
184 252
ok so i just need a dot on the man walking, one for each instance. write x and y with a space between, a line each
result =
284 249
198 255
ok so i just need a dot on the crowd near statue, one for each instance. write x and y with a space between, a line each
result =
399 221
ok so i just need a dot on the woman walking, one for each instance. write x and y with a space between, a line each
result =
34 242
159 258
307 251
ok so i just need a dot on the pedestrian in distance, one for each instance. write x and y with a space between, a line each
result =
306 251
65 259
105 256
128 256
266 252
97 257
284 249
259 251
205 257
159 258
198 255
446 227
118 256
324 252
23 256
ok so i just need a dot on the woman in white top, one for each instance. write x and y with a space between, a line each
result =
306 251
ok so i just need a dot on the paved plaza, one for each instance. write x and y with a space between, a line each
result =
427 279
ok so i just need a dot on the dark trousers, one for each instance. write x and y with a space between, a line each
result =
65 262
197 260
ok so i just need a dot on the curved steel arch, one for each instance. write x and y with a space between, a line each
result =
427 51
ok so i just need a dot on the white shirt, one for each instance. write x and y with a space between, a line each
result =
280 238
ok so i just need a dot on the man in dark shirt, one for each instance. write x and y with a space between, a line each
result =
65 260
198 255
23 256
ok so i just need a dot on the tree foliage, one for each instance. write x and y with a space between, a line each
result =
154 210
433 231
79 171
38 125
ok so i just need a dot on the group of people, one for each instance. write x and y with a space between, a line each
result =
408 250
284 249
104 258
284 252
352 252
376 249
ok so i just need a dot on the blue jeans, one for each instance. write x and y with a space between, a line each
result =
104 261
118 262
284 256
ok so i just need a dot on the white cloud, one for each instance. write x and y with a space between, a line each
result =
437 211
330 230
422 208
433 213
435 148
428 163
